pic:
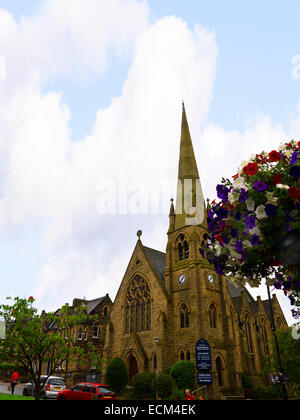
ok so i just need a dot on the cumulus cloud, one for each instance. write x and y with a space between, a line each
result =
52 185
50 182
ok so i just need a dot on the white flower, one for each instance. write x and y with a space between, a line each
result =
286 187
250 204
240 183
255 231
271 199
235 255
260 212
247 244
233 197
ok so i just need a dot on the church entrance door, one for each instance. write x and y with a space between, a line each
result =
133 368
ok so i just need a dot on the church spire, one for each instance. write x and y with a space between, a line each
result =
190 202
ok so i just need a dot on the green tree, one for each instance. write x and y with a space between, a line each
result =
165 385
289 345
33 340
116 375
142 385
183 373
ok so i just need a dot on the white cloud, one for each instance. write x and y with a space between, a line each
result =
50 183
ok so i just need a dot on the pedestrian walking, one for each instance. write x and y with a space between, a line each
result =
14 380
188 395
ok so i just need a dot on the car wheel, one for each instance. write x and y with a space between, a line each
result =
61 398
43 396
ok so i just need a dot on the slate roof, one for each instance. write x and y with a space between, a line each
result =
158 261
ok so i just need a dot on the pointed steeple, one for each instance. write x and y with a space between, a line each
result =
190 206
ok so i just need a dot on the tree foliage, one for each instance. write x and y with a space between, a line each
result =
33 340
183 373
116 375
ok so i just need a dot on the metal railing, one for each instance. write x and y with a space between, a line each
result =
199 389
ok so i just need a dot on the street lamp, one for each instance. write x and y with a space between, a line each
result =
157 343
276 341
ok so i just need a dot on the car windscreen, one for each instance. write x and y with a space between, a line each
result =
104 390
57 381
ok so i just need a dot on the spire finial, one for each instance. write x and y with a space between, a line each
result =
139 234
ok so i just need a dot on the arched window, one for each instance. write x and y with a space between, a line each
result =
184 316
138 306
232 326
183 248
212 316
278 323
219 367
249 340
264 336
79 334
188 355
182 355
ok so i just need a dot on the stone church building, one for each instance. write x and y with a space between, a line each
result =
168 301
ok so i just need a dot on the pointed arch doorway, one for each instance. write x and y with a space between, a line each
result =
133 368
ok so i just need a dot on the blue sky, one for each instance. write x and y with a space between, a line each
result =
256 40
244 90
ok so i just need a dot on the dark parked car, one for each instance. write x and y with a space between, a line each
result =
87 391
50 390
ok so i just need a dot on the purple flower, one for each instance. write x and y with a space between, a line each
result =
222 192
234 233
270 210
254 240
260 186
277 284
295 172
294 159
243 196
238 247
250 222
238 215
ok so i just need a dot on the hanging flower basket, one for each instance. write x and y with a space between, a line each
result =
278 379
255 223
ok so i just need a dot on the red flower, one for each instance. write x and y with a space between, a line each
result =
251 169
31 299
298 144
275 263
277 179
219 239
235 177
274 156
294 193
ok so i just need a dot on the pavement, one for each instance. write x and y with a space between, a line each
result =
18 388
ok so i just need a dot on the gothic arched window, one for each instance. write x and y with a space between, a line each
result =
249 340
182 355
184 316
264 336
219 366
188 355
138 306
212 316
183 248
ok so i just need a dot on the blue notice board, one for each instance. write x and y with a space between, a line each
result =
204 378
203 358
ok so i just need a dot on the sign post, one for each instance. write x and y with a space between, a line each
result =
203 362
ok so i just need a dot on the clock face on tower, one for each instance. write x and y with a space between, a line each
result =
211 278
181 279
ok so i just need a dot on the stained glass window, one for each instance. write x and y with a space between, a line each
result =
138 306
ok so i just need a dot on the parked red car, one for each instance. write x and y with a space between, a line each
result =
87 391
